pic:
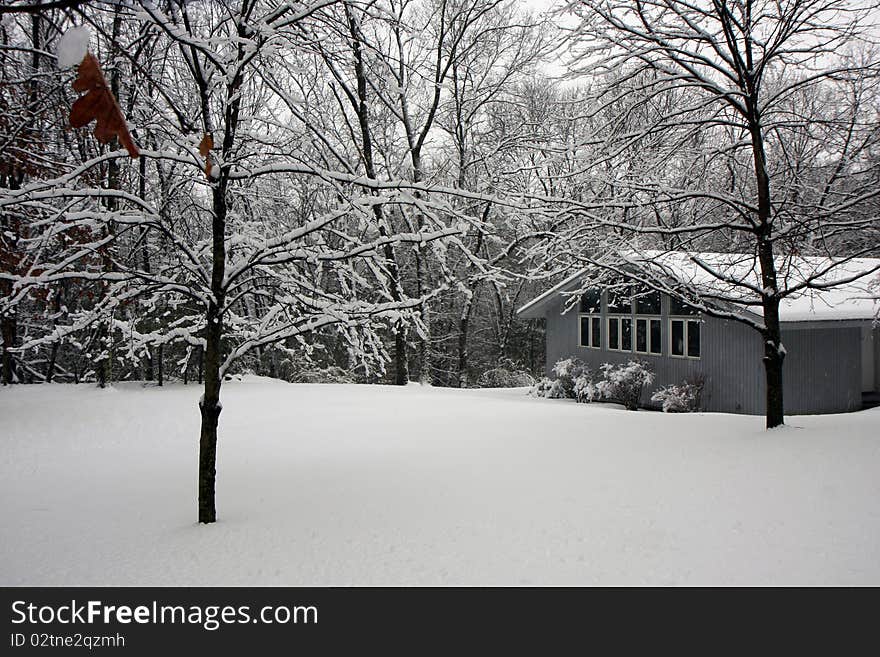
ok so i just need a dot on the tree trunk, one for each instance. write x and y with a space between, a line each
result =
424 349
161 365
8 329
100 364
774 353
209 407
210 402
401 363
463 326
773 358
50 367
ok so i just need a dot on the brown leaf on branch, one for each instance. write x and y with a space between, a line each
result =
99 105
205 147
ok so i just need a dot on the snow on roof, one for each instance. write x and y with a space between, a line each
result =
854 285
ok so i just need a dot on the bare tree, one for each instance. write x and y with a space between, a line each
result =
245 259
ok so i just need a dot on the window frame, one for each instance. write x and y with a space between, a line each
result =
632 338
590 317
685 319
648 342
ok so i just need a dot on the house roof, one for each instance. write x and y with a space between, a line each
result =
736 280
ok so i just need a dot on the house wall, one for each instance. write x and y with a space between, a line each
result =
822 367
822 370
876 332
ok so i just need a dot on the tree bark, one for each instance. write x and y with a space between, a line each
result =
464 321
774 353
8 329
773 359
209 405
401 362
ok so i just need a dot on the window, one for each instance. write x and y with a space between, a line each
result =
677 337
648 335
591 302
678 307
620 301
648 303
684 338
620 333
626 333
656 343
693 339
642 336
590 331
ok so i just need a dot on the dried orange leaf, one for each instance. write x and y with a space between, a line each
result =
99 105
205 147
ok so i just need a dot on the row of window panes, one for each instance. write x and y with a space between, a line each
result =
621 303
684 335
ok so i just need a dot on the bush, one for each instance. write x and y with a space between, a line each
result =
573 378
332 374
567 372
584 389
620 383
501 377
685 398
623 383
541 388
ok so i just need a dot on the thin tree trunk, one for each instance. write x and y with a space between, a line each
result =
161 365
209 405
8 329
401 363
100 363
53 357
774 352
463 327
424 353
103 365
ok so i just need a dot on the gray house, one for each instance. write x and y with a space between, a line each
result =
832 342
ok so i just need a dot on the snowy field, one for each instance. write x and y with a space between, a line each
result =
379 485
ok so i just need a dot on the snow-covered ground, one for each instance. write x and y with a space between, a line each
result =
382 485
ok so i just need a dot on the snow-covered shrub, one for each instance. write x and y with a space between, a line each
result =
584 388
567 371
623 383
331 374
501 377
568 368
557 390
684 398
572 380
541 388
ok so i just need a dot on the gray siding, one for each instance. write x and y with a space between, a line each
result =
822 368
